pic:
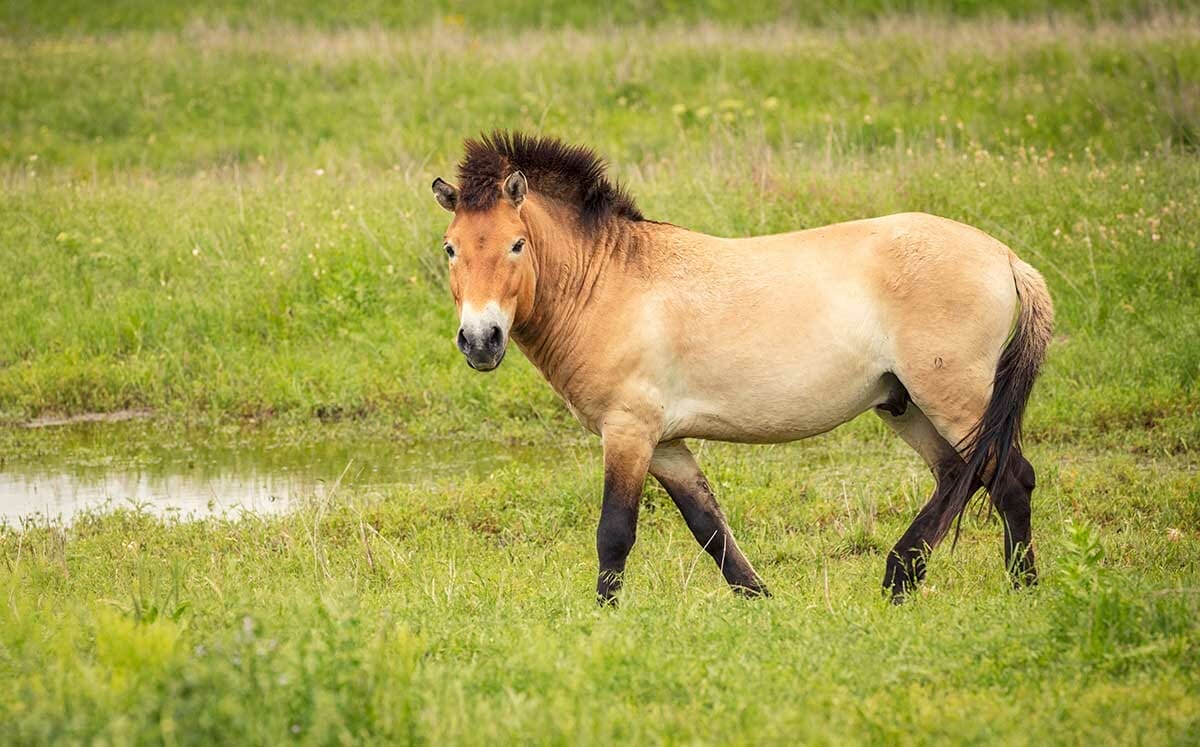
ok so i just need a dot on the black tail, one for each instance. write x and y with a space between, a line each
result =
990 443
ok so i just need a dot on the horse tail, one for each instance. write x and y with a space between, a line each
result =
988 445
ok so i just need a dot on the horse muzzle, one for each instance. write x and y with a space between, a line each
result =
483 346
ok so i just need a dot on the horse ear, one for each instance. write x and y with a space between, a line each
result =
446 194
515 188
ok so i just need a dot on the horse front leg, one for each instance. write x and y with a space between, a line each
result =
626 461
675 467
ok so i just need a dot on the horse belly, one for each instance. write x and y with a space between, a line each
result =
776 402
781 349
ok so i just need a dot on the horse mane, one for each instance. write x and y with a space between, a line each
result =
572 174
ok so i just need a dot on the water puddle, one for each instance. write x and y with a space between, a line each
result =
227 479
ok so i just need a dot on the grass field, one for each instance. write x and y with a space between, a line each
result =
222 215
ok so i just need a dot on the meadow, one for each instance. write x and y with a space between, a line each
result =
222 215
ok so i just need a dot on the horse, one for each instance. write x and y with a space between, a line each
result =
652 334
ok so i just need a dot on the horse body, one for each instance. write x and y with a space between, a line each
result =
759 340
777 338
652 334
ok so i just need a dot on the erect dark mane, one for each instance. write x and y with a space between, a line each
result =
572 174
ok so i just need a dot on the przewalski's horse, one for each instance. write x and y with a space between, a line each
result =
652 333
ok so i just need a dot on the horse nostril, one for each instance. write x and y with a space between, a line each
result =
462 341
496 338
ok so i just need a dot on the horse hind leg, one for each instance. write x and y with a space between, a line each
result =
952 406
906 561
1012 496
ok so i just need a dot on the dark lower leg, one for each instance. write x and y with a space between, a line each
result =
625 464
704 518
615 536
906 562
1011 496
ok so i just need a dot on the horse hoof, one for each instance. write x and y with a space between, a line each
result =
1025 580
606 600
758 591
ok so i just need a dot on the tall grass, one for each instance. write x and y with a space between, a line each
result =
20 17
223 224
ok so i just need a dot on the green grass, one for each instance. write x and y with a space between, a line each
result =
227 224
23 17
463 613
222 214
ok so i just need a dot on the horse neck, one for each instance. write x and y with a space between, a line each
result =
570 266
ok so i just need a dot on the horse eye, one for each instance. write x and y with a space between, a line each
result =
518 246
449 250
